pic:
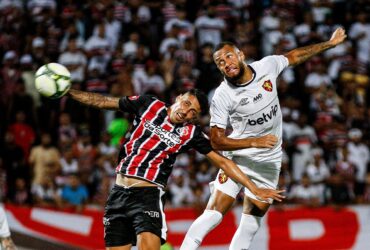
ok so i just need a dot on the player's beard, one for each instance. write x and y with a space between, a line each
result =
235 79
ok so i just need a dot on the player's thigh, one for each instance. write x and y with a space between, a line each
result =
148 215
223 193
148 241
118 229
220 202
127 247
264 175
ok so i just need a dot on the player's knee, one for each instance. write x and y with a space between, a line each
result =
148 241
255 208
220 202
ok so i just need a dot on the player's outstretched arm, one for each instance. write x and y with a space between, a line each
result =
95 100
300 55
220 141
233 171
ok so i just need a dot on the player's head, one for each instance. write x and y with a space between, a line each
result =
229 60
189 106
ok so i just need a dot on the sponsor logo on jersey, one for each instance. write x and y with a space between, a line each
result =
133 98
222 178
265 117
243 101
267 85
165 136
257 98
153 214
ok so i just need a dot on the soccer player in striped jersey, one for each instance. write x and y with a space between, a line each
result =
248 99
134 209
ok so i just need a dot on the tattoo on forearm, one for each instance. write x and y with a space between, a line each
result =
91 99
304 53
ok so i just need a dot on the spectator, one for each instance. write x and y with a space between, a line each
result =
181 193
305 193
67 133
74 60
359 155
24 134
13 162
209 28
44 194
360 33
22 195
73 195
304 138
318 171
44 159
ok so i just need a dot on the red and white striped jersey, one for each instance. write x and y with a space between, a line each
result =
154 141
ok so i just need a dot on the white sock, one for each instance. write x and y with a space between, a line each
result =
200 228
243 236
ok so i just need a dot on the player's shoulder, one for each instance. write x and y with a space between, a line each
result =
223 89
267 63
268 59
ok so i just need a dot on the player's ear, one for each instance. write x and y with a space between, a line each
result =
241 56
178 98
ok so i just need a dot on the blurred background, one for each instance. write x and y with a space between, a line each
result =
58 158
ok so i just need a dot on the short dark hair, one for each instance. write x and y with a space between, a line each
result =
202 99
223 44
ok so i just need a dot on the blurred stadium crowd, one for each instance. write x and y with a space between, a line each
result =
59 153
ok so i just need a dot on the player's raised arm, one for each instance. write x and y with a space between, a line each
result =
220 141
95 100
234 172
300 55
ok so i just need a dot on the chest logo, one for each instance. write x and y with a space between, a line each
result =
267 85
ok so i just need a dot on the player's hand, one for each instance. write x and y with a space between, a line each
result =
264 194
338 36
267 141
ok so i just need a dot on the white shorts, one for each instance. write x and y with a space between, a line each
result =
263 174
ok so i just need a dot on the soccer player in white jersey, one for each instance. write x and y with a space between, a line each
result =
248 99
6 241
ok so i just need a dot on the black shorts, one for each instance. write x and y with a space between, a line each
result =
130 211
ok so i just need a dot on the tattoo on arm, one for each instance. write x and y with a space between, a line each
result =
94 99
300 55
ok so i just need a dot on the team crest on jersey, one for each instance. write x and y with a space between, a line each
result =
184 131
222 178
133 98
267 85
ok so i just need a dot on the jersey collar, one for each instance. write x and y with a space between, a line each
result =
246 83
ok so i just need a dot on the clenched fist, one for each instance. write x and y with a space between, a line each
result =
338 36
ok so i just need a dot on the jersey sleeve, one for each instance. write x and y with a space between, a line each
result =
200 142
133 104
275 64
219 109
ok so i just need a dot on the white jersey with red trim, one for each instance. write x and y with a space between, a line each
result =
252 109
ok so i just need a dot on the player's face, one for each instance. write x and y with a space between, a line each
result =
185 109
230 62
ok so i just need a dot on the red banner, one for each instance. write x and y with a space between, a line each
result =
292 228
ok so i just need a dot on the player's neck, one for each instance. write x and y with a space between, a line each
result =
247 76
